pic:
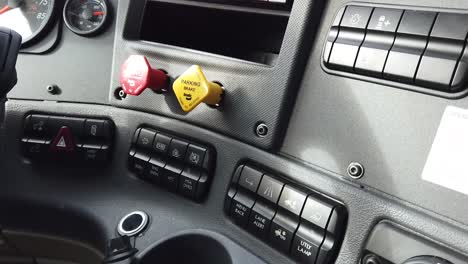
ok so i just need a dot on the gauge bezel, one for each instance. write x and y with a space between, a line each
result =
86 32
40 31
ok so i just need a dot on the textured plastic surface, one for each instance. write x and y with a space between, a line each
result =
390 131
397 244
50 247
104 196
197 246
254 93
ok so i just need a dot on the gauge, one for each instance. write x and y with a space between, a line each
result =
27 17
85 17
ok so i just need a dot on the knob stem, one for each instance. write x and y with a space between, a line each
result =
157 80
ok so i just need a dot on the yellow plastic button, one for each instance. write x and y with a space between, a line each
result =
192 88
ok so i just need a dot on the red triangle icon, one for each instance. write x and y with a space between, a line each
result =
63 142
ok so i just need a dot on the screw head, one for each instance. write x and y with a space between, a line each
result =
371 259
355 170
52 89
120 94
261 130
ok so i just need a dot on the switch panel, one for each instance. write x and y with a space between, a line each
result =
304 224
424 50
69 139
410 43
173 163
352 32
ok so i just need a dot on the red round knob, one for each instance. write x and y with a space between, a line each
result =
136 75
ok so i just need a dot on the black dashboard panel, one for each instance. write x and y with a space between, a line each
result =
99 198
285 118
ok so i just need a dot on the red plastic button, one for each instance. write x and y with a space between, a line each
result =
136 75
63 142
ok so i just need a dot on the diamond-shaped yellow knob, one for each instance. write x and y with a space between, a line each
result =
192 88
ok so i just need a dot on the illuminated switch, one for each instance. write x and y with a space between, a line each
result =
136 75
192 88
63 141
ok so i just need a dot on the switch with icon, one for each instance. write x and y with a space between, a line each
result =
303 223
173 163
69 139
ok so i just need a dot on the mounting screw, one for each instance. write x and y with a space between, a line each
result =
355 170
53 89
120 93
371 259
261 130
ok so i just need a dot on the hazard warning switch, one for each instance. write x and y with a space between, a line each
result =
63 138
136 75
63 142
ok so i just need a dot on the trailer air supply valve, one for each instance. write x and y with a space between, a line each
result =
192 88
136 75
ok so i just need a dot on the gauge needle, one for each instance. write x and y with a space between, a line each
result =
99 13
5 9
11 5
75 14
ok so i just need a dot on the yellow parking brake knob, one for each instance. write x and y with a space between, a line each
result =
192 88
